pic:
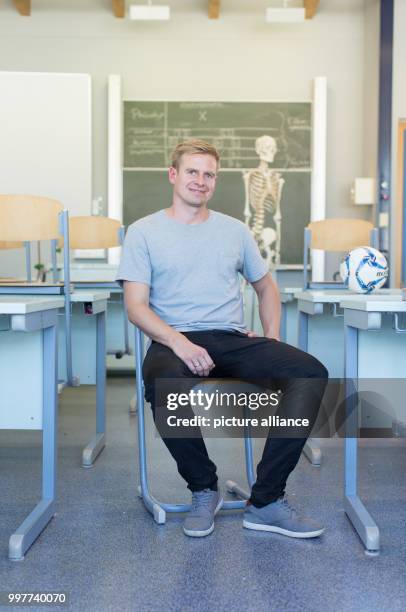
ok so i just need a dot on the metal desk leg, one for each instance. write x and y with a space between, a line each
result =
96 445
133 405
359 516
37 520
311 451
303 330
127 349
284 316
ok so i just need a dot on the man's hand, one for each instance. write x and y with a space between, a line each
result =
195 357
272 336
252 334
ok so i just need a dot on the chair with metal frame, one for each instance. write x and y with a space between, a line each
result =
99 232
95 232
336 235
8 245
28 218
157 508
24 219
41 223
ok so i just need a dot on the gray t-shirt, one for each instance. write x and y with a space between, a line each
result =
192 270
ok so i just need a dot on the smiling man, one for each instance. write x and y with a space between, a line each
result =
181 271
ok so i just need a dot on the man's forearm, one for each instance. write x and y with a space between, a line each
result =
270 310
143 317
195 357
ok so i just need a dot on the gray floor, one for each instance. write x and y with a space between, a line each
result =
105 551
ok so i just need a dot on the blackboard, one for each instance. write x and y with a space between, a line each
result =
152 130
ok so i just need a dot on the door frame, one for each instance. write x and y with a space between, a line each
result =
400 215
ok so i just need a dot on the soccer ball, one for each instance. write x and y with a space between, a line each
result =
364 269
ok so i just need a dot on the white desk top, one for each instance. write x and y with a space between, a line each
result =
86 295
97 284
288 294
93 266
93 272
372 303
331 296
290 290
25 304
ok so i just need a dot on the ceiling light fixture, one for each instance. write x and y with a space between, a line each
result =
149 12
285 14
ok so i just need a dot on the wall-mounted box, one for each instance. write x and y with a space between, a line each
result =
363 191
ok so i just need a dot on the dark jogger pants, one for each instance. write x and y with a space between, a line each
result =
300 376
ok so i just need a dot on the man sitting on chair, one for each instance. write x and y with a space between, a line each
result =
180 268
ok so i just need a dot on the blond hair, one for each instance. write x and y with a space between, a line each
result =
191 147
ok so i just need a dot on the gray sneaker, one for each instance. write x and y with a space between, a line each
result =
199 521
280 517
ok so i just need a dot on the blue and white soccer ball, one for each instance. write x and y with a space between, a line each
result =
364 269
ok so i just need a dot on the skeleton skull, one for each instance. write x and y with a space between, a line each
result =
266 149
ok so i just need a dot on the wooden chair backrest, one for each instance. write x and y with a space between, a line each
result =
11 245
27 217
340 234
93 232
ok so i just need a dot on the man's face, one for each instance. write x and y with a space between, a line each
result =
195 179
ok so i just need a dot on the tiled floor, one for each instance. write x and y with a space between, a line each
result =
106 552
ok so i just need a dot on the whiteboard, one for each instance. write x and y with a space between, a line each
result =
45 137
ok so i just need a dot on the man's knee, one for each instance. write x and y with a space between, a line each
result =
161 362
156 371
160 370
313 368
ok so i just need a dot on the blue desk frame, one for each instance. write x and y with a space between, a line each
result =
45 320
115 288
96 445
356 319
97 309
311 307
